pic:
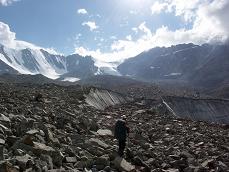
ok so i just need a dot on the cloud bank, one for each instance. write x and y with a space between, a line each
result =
91 24
8 39
7 2
209 21
82 11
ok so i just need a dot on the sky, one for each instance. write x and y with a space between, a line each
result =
111 30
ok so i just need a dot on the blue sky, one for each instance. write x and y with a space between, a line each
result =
113 27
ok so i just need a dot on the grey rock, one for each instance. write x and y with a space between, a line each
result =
3 127
2 141
171 170
4 119
208 163
102 161
7 167
1 153
57 158
107 169
122 164
32 132
195 169
104 132
98 142
93 126
48 160
22 161
70 159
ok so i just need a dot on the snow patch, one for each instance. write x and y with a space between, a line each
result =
71 79
173 74
184 49
107 68
153 67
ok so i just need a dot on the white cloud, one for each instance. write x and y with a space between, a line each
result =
82 11
91 24
6 36
134 12
134 29
113 37
8 39
99 16
210 24
129 37
186 9
157 7
7 2
77 37
142 27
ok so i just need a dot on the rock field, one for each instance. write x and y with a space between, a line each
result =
51 128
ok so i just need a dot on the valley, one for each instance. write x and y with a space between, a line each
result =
66 130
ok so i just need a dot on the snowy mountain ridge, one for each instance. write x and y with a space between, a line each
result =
29 61
39 61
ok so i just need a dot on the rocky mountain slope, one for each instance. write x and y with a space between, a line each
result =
203 66
123 85
53 128
137 89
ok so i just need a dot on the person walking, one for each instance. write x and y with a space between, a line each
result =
121 134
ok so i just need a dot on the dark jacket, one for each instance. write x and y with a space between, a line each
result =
121 130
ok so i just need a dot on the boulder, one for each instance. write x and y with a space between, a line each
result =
98 142
102 162
7 167
121 164
32 132
1 153
2 142
208 163
93 125
41 148
70 159
22 161
48 160
171 170
104 132
4 119
27 140
3 127
194 169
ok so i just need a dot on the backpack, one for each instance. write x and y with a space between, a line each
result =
120 130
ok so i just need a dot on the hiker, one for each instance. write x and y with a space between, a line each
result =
38 97
121 133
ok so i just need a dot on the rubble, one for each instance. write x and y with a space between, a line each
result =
64 133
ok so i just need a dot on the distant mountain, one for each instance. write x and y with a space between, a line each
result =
80 67
189 65
214 72
202 66
30 61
